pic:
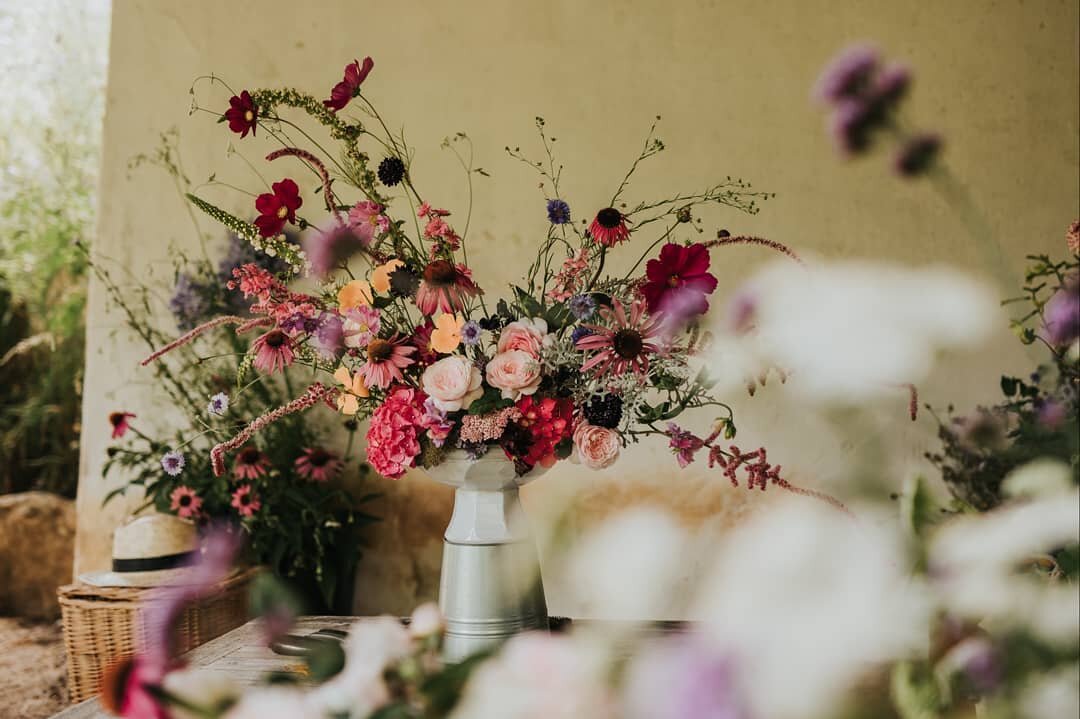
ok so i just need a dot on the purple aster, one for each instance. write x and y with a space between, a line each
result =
558 212
917 155
173 462
582 306
471 332
578 333
847 74
219 404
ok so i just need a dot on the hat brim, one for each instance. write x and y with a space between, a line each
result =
137 579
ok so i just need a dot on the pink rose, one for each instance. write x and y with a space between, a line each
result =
597 447
452 383
527 335
515 372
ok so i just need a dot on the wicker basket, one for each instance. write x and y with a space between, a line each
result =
103 625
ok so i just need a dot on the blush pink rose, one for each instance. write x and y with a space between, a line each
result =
527 335
515 372
597 447
452 383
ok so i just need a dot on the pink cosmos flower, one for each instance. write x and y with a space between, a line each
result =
250 463
245 501
119 422
445 287
368 220
273 351
385 360
318 465
625 345
679 281
349 87
185 501
361 325
392 435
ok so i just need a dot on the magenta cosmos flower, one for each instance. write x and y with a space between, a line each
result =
609 227
349 87
623 347
318 465
445 287
120 424
242 114
245 501
250 463
277 207
385 360
185 501
679 281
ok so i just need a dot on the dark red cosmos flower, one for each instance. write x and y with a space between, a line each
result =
277 208
349 88
609 227
242 114
679 280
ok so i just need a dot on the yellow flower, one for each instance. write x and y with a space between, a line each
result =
380 276
354 294
447 333
348 400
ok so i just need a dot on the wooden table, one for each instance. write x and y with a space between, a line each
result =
243 654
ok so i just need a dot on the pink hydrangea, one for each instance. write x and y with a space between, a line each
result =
392 438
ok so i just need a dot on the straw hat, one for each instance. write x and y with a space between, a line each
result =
148 551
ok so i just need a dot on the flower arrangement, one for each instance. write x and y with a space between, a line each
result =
575 362
290 487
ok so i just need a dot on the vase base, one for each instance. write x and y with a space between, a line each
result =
488 593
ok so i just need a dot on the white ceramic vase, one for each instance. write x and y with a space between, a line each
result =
490 588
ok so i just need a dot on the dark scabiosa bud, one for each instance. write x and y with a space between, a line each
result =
683 214
580 332
917 155
391 171
604 411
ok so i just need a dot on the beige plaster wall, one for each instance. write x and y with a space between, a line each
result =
731 79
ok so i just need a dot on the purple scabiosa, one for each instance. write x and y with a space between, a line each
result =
582 306
471 333
847 74
558 212
173 462
218 405
578 333
917 155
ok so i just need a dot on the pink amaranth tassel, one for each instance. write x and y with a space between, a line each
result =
253 323
328 193
749 240
188 336
314 394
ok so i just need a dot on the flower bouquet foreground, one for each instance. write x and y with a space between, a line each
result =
575 362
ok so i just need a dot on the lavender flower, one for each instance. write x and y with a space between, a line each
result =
558 212
1062 315
471 333
329 335
219 404
917 155
173 462
189 302
847 74
582 306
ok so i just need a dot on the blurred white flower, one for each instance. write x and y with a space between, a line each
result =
272 703
974 561
427 619
680 677
624 569
805 600
855 329
359 687
203 687
1043 477
538 675
1056 694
